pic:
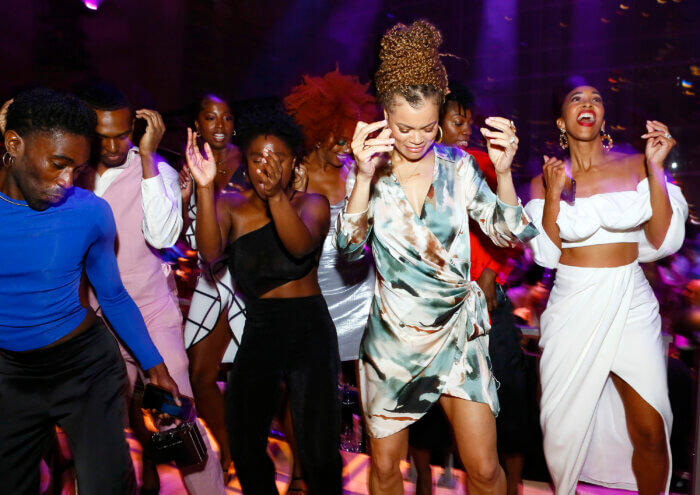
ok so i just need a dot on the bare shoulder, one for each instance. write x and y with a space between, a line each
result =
233 199
314 202
631 165
637 165
537 187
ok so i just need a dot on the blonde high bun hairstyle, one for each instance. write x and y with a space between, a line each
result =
410 65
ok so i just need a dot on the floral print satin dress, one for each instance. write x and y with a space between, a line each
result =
427 330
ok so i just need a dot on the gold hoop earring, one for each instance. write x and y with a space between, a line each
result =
8 160
606 140
563 138
439 140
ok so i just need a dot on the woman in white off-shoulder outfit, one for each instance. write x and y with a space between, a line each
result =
605 411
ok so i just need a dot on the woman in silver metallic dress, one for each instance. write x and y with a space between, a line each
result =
328 108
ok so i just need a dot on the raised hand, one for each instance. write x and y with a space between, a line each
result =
203 169
186 185
367 151
659 143
501 143
155 128
270 174
554 176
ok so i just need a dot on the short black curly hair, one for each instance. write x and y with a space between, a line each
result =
461 95
270 120
102 95
47 110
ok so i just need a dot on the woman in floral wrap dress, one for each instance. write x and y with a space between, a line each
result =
426 338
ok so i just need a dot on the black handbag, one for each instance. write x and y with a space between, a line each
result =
182 444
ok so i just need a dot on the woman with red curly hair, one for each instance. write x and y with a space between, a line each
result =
328 108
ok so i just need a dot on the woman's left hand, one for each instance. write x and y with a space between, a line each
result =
501 143
659 143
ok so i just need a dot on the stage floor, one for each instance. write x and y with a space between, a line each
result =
355 471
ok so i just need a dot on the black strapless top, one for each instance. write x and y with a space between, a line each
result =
259 262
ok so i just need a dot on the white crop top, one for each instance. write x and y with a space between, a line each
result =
608 218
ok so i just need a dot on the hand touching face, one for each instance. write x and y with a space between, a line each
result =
270 165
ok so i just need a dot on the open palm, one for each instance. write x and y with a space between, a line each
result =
203 169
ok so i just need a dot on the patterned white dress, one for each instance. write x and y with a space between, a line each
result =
427 330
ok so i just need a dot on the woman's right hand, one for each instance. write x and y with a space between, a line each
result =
554 175
185 184
367 151
203 169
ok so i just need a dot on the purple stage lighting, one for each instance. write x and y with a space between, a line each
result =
92 4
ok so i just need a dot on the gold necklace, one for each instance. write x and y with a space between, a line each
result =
218 170
12 202
401 176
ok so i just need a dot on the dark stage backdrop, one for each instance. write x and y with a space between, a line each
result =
644 55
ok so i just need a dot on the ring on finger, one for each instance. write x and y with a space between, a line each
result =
512 125
511 140
667 135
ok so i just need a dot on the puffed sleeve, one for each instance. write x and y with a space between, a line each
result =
504 224
545 252
675 234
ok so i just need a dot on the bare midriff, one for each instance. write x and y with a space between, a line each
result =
304 287
600 256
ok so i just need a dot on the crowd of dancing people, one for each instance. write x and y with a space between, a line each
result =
344 238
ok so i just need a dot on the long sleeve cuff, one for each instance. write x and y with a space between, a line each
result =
349 239
517 221
162 218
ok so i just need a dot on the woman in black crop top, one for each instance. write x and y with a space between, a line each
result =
272 235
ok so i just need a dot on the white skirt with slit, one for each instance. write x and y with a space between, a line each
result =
598 321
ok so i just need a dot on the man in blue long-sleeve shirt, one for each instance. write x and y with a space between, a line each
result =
58 363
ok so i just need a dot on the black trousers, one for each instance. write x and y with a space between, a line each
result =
509 368
78 385
292 340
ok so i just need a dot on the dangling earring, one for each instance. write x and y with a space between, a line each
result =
606 140
439 140
8 160
234 132
563 138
